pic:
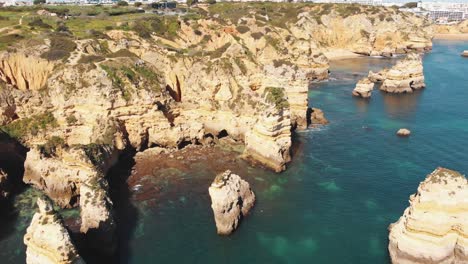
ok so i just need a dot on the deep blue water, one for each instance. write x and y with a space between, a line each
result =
348 181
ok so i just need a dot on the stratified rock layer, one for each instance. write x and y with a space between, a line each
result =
231 199
434 228
47 240
364 88
407 75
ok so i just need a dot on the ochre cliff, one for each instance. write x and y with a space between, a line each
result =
434 228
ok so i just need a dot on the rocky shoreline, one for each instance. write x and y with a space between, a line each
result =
78 104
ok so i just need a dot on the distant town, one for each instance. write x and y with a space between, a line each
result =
439 12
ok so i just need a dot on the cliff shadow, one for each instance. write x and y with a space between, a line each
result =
12 157
125 215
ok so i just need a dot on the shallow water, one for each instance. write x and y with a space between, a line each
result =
348 181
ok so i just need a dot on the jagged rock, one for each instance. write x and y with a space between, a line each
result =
97 221
231 200
407 75
24 72
47 240
403 132
434 228
318 117
377 76
465 53
4 192
363 88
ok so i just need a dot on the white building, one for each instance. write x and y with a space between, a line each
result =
454 11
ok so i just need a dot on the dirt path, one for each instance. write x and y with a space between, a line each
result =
20 22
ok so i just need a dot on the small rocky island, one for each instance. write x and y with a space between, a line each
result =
465 53
434 228
231 199
404 77
364 88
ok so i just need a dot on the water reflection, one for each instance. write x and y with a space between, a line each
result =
401 105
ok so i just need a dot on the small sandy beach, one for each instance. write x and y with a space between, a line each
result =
340 54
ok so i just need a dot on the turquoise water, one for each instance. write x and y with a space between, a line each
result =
348 181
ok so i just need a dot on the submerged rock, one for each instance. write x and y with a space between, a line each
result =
318 117
407 75
231 199
47 240
363 88
403 132
434 228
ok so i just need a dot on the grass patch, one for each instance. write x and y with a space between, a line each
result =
60 48
23 127
276 96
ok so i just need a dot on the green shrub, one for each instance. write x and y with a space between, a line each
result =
90 59
277 97
71 120
60 48
37 22
365 33
20 128
242 29
122 3
50 147
257 35
138 4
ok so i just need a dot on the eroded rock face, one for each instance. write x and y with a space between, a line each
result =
407 75
97 221
433 229
364 88
465 53
231 200
47 240
24 72
318 117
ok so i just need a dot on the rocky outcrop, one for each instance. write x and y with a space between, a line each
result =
231 200
318 117
269 141
47 241
404 77
24 72
465 53
433 229
97 221
460 28
403 132
364 88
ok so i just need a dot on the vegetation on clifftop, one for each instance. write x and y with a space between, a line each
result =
23 127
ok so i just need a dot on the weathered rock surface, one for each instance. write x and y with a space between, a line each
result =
364 88
465 53
378 76
407 75
318 117
231 200
434 228
97 220
403 132
460 28
47 240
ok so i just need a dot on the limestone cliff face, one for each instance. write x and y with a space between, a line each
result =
433 229
364 88
24 72
47 240
231 200
460 28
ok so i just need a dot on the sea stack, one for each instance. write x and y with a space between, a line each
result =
434 228
363 88
47 240
407 75
231 200
465 53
